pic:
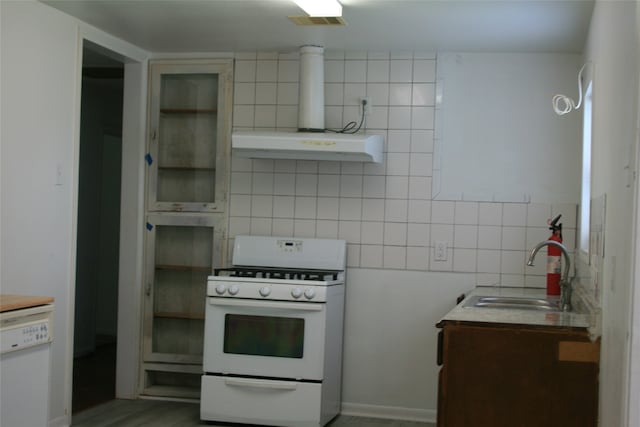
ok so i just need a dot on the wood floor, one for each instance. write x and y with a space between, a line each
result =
133 413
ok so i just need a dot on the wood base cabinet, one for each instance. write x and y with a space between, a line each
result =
516 376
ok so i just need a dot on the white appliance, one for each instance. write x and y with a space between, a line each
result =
273 333
309 146
312 141
25 340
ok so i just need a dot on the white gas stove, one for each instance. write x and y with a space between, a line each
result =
273 333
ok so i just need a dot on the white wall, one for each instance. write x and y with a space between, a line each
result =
613 49
387 213
39 91
41 60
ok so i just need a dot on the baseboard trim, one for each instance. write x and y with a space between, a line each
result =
389 412
63 421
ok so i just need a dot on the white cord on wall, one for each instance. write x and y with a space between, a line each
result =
562 104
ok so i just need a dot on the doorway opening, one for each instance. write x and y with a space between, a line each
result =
98 231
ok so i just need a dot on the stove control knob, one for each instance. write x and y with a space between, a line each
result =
234 289
309 293
265 291
220 289
296 293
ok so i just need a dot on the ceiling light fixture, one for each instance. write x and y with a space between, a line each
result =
320 7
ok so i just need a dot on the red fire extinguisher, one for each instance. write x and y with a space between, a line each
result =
554 258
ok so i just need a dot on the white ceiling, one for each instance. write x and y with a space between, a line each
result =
379 25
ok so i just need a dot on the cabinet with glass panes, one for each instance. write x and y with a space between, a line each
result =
181 251
189 126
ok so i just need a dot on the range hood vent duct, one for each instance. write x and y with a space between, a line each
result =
311 142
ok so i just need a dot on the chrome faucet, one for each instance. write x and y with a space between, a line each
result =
565 282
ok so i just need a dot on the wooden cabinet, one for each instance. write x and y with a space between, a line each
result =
497 375
181 252
187 162
189 124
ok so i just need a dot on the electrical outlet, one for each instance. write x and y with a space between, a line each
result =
365 102
441 250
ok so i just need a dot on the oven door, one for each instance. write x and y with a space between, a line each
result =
274 339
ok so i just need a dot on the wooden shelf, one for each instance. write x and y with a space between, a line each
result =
188 110
173 315
184 268
172 391
187 168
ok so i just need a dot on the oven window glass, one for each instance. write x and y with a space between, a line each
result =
264 336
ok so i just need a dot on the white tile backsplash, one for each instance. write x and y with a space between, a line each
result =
284 184
305 207
261 226
418 234
267 71
396 210
397 164
386 212
355 71
395 233
328 208
350 209
371 256
514 214
372 233
351 185
400 71
442 212
262 183
306 185
419 211
326 229
283 206
266 93
399 117
420 188
288 71
262 206
378 71
394 257
514 238
465 236
397 187
244 93
373 209
400 94
287 94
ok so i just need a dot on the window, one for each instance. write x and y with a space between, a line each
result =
585 199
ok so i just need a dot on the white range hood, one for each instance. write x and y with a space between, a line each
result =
308 146
311 142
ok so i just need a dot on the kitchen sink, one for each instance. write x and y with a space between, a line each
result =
518 303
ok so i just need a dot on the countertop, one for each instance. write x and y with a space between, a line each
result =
573 319
10 302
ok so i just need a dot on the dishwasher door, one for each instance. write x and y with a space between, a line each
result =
25 359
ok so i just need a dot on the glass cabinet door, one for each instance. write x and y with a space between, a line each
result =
190 122
181 252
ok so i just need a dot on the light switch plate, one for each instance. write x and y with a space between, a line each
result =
441 250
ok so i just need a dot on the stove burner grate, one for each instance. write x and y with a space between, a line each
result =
278 273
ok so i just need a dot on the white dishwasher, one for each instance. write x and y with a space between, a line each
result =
26 332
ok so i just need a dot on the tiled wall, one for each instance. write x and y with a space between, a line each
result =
385 212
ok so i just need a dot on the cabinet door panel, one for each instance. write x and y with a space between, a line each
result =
189 134
507 377
181 252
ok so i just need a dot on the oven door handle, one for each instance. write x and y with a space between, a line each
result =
280 305
253 383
